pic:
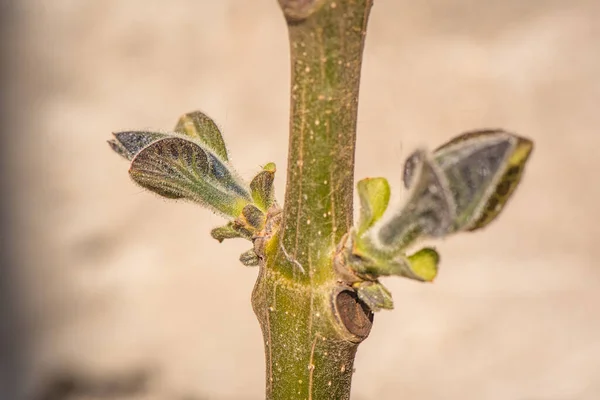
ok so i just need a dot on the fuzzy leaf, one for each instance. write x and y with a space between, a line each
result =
495 161
270 167
261 187
374 195
221 173
129 143
482 169
250 258
179 168
429 211
374 295
253 218
199 126
229 231
424 264
421 266
463 186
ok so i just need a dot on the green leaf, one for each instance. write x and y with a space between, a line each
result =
424 264
421 266
248 224
253 218
211 167
262 189
374 195
230 231
250 258
429 212
129 143
270 167
463 186
500 157
174 167
199 126
482 170
374 295
221 173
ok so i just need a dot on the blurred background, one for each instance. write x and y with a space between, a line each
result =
109 292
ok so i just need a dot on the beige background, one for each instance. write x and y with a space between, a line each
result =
116 281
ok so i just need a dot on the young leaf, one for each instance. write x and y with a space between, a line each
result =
488 149
230 231
179 168
129 143
463 186
261 187
253 218
424 263
482 168
374 195
374 295
421 266
250 258
200 126
429 212
222 174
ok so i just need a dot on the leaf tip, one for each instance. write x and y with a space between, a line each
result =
424 263
270 167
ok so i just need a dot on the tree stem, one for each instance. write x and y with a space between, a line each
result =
311 320
326 53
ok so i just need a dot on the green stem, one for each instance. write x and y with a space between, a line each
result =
312 322
326 54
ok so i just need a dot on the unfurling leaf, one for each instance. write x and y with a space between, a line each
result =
421 266
247 225
191 163
129 143
374 195
252 217
482 169
200 126
250 258
374 295
261 187
462 186
429 211
230 231
486 147
424 263
175 167
424 270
